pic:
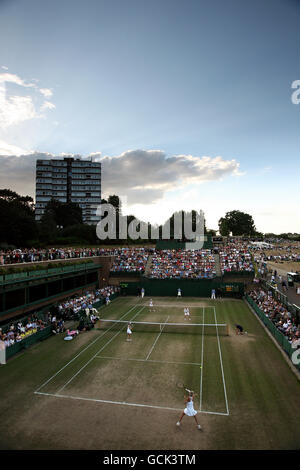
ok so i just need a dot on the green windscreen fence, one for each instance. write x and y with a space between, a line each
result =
189 287
280 338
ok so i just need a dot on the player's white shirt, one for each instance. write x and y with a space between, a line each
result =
129 332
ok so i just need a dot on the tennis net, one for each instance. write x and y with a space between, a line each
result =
165 327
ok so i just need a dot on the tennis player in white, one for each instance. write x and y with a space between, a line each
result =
151 309
189 409
186 313
129 331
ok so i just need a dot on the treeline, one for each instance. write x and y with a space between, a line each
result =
62 224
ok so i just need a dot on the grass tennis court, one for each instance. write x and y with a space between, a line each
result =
100 391
156 360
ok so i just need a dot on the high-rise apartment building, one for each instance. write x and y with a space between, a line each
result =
70 179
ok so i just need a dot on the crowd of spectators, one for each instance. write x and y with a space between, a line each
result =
277 252
34 255
130 260
70 308
280 316
187 264
235 257
21 329
58 314
286 256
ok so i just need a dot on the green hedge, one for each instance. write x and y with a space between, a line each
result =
41 266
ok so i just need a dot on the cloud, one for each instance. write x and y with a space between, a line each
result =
11 149
4 67
18 173
13 78
17 108
143 176
48 105
46 92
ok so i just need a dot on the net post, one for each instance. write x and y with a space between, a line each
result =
227 329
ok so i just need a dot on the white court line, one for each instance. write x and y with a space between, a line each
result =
201 375
97 339
148 360
221 361
122 403
93 357
179 306
156 339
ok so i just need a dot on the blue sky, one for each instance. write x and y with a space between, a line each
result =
206 78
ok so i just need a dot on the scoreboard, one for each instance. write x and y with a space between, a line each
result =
230 288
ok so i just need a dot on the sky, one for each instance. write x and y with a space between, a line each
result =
187 104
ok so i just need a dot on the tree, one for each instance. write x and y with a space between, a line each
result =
183 215
237 222
224 227
24 202
64 214
18 226
48 225
116 202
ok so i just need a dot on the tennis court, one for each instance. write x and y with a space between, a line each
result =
100 391
166 354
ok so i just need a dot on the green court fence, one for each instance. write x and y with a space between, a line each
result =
280 338
189 287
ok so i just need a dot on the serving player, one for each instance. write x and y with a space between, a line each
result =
189 409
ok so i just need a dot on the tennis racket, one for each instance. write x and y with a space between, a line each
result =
183 387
